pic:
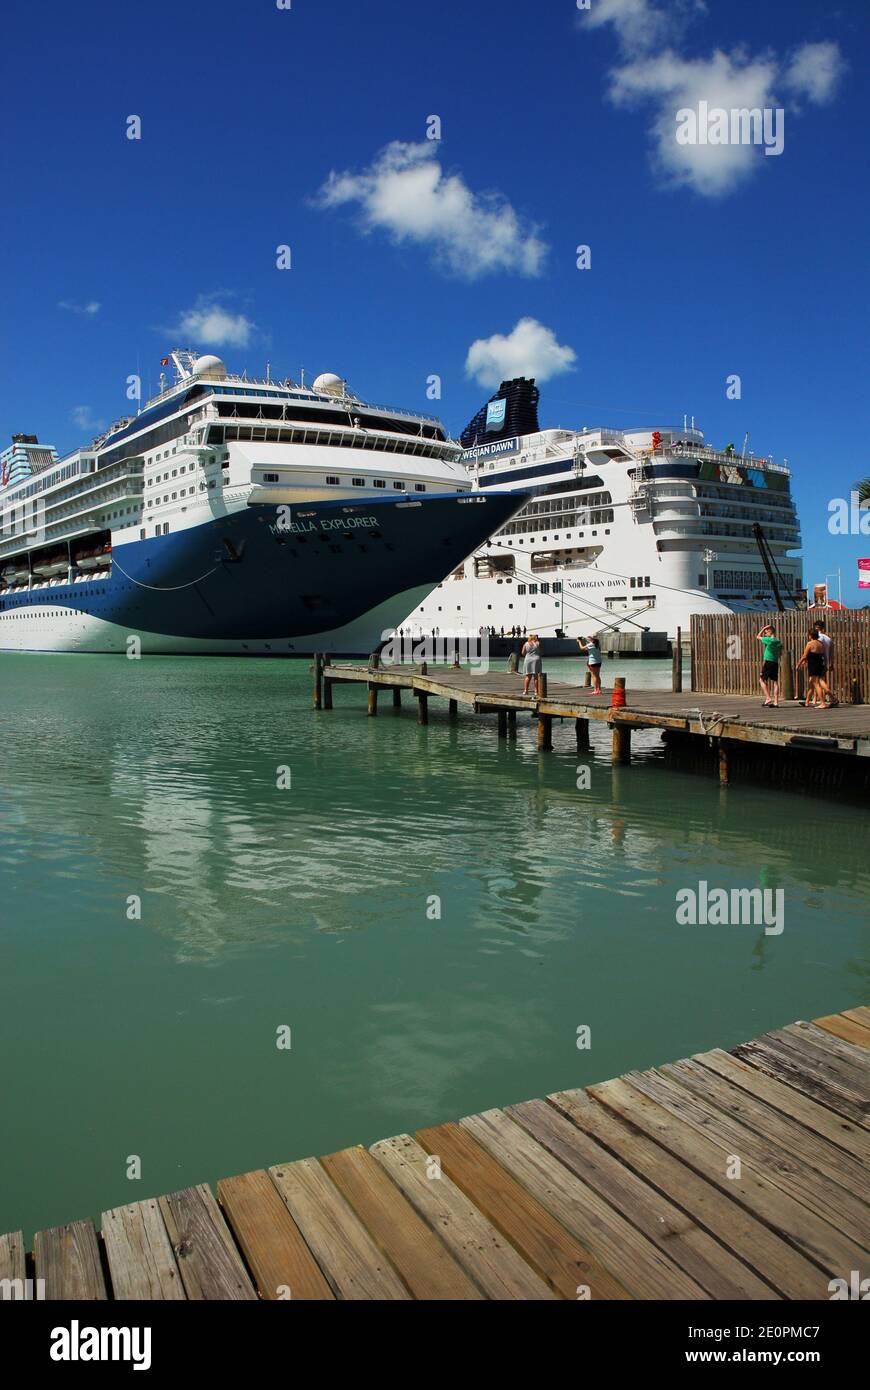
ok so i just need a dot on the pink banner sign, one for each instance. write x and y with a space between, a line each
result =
864 574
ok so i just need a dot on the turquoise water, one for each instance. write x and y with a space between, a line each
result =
309 908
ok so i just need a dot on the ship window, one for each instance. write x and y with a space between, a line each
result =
333 480
533 589
521 588
557 587
358 482
400 487
545 588
270 477
379 482
419 487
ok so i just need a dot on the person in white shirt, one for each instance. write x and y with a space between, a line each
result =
592 652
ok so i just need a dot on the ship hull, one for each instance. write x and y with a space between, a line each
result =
261 581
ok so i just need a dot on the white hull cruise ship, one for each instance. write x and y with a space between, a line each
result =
624 530
233 516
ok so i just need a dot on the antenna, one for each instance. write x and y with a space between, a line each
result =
268 371
302 376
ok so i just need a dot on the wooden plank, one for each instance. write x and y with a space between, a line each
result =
846 1066
750 1239
68 1259
855 1058
794 1199
209 1263
792 1065
636 1262
280 1262
421 1258
12 1261
346 1253
788 1101
814 1171
496 1267
793 1273
845 1028
662 1223
860 1015
141 1262
557 1255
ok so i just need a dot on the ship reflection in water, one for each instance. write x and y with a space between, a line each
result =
433 914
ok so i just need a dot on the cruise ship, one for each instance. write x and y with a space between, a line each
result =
624 530
235 516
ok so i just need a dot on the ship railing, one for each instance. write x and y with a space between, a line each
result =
718 456
349 403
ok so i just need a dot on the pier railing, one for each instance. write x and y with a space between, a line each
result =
726 655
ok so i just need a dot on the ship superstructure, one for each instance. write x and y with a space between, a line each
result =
232 515
623 529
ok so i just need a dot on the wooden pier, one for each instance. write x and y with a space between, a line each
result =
829 747
729 1175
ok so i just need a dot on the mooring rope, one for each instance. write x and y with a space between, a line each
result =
163 588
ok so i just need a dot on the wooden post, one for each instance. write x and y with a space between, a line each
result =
422 707
327 693
374 661
452 711
502 723
723 764
581 728
397 697
677 665
318 681
856 693
542 682
545 731
512 723
424 668
587 679
621 743
373 699
786 677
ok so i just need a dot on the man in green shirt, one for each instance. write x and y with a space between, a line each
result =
772 651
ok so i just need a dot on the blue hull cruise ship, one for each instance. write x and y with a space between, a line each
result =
233 516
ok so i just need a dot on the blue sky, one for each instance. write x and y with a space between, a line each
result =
264 127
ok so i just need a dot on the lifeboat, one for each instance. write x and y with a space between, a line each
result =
15 573
50 566
99 558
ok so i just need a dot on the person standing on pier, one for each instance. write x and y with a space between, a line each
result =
771 648
532 665
828 644
592 652
814 659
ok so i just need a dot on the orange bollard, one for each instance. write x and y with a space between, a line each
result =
617 699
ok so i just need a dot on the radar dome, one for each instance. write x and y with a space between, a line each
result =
208 366
328 384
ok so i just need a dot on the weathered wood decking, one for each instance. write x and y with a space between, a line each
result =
730 1175
734 723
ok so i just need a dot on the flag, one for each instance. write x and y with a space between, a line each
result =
164 361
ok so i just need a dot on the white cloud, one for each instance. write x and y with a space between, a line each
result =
86 420
406 193
814 72
666 81
209 324
637 23
90 309
675 83
529 349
